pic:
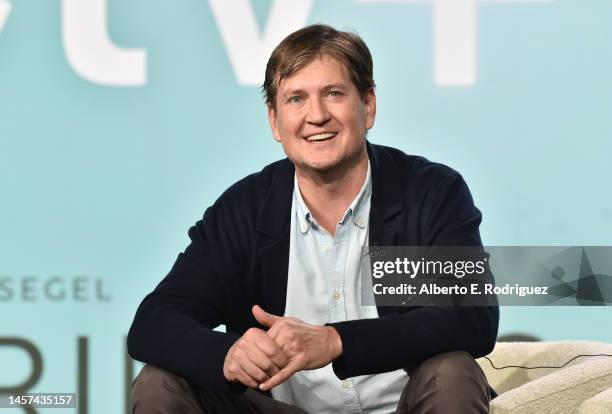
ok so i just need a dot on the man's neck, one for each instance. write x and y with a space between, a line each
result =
327 195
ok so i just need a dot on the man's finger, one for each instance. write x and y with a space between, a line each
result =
245 379
253 371
263 317
282 337
280 359
273 351
265 363
281 376
269 347
274 330
278 328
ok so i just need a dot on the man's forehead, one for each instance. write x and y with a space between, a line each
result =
321 72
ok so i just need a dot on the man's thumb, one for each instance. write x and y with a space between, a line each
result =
263 317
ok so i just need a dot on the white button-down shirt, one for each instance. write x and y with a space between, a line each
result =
324 286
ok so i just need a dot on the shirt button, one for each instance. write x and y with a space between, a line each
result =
336 295
326 249
360 221
345 384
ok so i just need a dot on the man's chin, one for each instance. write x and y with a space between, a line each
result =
321 167
327 166
312 166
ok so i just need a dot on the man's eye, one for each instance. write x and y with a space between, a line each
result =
335 93
295 99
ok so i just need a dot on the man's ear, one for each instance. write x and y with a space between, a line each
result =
273 122
370 108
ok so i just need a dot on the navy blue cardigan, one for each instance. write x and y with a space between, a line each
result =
239 256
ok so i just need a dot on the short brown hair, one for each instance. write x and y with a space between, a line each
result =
301 47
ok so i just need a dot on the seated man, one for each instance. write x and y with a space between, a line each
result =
276 260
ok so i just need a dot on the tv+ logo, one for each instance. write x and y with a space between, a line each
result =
92 54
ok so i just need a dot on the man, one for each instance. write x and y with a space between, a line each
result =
276 260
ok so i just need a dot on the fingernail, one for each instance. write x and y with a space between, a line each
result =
262 387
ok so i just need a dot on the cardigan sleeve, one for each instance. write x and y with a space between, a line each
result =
173 326
402 340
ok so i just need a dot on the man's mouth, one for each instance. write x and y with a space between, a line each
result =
321 137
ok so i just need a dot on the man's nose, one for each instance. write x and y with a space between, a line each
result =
317 112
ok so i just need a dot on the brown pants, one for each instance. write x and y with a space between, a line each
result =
446 383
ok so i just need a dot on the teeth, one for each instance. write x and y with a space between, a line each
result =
321 137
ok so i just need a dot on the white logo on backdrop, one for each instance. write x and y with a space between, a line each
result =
90 51
454 33
248 50
5 9
92 54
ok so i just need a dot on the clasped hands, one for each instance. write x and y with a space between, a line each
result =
265 359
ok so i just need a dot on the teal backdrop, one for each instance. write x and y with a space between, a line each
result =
121 121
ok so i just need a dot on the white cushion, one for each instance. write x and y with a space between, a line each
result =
547 390
599 404
532 354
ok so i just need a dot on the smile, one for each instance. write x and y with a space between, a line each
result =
321 137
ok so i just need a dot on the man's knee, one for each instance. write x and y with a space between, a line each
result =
156 390
451 382
153 381
451 370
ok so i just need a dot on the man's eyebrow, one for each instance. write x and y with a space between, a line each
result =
326 88
294 92
334 86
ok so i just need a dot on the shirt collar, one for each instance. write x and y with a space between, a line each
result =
305 219
357 209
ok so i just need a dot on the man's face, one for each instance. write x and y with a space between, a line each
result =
320 118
